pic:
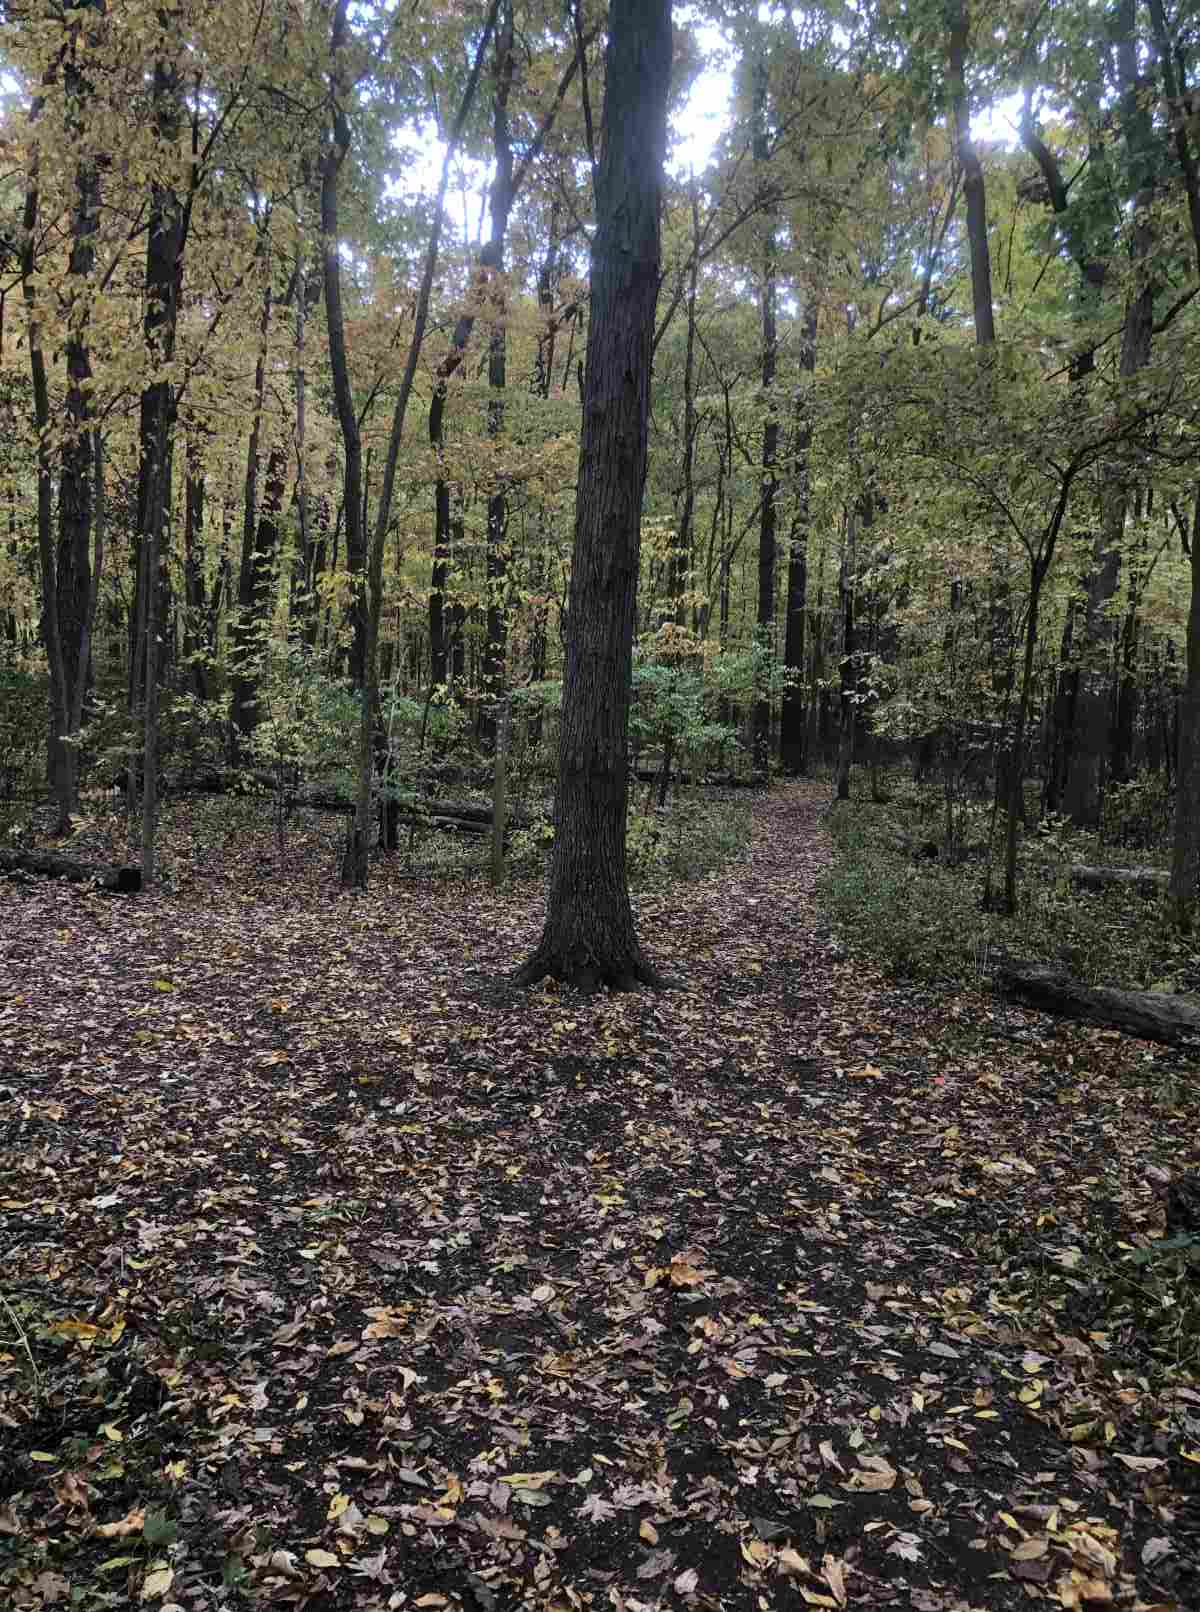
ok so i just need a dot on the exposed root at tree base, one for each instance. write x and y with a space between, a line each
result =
587 973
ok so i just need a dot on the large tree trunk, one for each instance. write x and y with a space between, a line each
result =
589 936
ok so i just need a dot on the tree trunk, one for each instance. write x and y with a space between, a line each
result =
1185 846
496 643
974 190
680 559
244 700
59 764
164 267
765 616
1092 736
589 936
343 394
195 639
74 580
792 729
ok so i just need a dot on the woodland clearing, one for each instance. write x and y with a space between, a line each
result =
337 1272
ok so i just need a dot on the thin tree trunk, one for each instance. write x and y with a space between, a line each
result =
974 189
337 148
59 764
765 616
792 756
496 643
1185 844
681 548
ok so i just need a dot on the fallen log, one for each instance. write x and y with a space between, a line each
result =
49 865
440 813
1146 881
1149 1014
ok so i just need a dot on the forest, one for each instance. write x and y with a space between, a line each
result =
599 804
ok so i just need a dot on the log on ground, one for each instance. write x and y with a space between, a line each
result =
1146 881
465 815
49 865
1149 1014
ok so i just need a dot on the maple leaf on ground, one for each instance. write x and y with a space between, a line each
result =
596 1509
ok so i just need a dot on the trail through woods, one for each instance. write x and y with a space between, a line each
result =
349 1276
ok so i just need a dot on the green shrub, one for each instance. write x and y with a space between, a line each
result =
24 703
919 919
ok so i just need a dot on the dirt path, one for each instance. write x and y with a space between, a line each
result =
371 1282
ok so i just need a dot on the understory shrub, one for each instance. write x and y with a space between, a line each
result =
915 914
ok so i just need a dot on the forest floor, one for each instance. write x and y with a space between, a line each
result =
334 1272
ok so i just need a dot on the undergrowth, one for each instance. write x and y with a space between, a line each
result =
894 898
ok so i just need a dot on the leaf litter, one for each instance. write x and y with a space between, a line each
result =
336 1273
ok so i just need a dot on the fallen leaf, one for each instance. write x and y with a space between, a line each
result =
834 1573
1139 1463
1030 1549
157 1583
321 1558
132 1523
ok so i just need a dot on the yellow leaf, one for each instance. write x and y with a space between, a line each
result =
377 1525
755 1552
528 1480
163 985
157 1583
113 1434
648 1532
321 1558
336 1506
42 1455
131 1523
70 1328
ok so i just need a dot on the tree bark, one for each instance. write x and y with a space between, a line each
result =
1149 1014
164 266
495 649
765 614
974 188
335 155
1185 843
792 726
589 937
